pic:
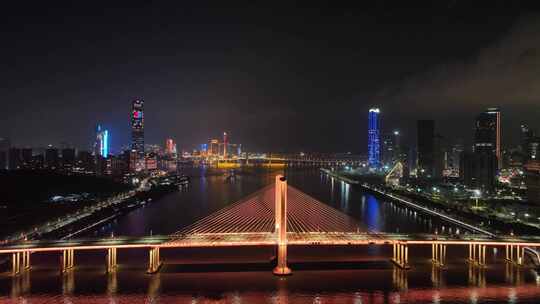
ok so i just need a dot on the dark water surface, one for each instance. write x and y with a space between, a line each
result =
243 275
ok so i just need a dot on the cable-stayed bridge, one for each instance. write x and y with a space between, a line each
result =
277 215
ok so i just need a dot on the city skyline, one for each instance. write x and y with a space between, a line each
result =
234 72
270 152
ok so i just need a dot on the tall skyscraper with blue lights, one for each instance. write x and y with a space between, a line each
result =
374 145
102 142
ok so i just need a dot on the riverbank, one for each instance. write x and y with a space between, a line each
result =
455 215
111 212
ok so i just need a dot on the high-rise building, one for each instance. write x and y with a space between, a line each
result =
4 147
101 147
425 148
137 132
453 160
68 158
391 150
225 144
151 161
526 134
170 147
374 149
533 148
51 158
530 144
487 136
85 161
478 169
213 148
26 158
532 179
15 159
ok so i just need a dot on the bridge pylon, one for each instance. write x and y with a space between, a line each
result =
281 226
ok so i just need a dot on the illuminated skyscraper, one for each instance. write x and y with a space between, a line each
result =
374 138
487 136
213 148
225 144
170 147
101 147
137 132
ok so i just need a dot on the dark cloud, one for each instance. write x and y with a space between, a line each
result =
504 74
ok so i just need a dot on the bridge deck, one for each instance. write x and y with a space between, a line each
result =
264 239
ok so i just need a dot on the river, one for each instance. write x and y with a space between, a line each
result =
242 275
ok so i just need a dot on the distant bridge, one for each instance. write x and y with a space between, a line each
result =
277 215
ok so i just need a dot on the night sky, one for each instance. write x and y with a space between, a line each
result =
280 78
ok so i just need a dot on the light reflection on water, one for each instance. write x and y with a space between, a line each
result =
499 283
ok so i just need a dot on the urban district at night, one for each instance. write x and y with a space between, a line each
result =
270 152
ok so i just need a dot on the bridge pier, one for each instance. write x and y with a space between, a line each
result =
15 263
400 255
515 254
154 262
281 226
67 260
438 254
111 260
477 254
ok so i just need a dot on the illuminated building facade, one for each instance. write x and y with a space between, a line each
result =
102 142
487 136
137 133
213 148
374 138
225 144
170 147
391 152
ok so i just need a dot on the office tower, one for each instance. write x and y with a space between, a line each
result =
213 148
454 160
374 138
530 144
137 132
526 134
533 148
425 148
26 158
487 136
14 158
85 161
478 169
170 147
151 161
38 160
391 151
4 147
51 158
440 155
101 146
225 144
68 158
532 180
